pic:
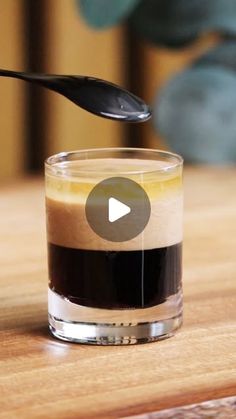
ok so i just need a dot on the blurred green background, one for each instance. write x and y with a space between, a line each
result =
179 55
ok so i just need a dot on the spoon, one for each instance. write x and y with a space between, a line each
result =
97 96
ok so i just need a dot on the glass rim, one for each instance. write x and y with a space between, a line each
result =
55 160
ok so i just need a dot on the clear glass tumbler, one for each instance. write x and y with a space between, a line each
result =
115 261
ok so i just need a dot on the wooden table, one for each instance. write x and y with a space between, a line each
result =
41 377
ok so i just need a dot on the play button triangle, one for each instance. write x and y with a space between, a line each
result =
117 209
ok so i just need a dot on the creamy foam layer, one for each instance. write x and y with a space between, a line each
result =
66 197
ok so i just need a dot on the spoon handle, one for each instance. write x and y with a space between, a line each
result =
51 81
28 76
14 74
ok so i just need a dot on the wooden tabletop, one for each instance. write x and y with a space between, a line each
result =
41 377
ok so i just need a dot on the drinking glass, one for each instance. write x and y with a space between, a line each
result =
114 277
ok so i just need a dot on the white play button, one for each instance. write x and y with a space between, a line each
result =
117 210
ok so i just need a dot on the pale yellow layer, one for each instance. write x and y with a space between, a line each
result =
156 179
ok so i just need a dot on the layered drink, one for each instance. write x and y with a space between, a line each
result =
107 291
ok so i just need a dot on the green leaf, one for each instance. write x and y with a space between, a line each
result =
196 114
105 13
224 55
175 23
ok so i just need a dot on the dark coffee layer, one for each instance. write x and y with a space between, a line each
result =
115 280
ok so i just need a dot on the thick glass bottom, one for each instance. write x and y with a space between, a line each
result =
76 323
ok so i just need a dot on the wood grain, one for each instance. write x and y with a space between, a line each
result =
41 377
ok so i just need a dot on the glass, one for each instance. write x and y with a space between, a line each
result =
105 291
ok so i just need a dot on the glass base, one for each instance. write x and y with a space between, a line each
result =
75 323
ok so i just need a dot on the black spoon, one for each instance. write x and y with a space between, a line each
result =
97 96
